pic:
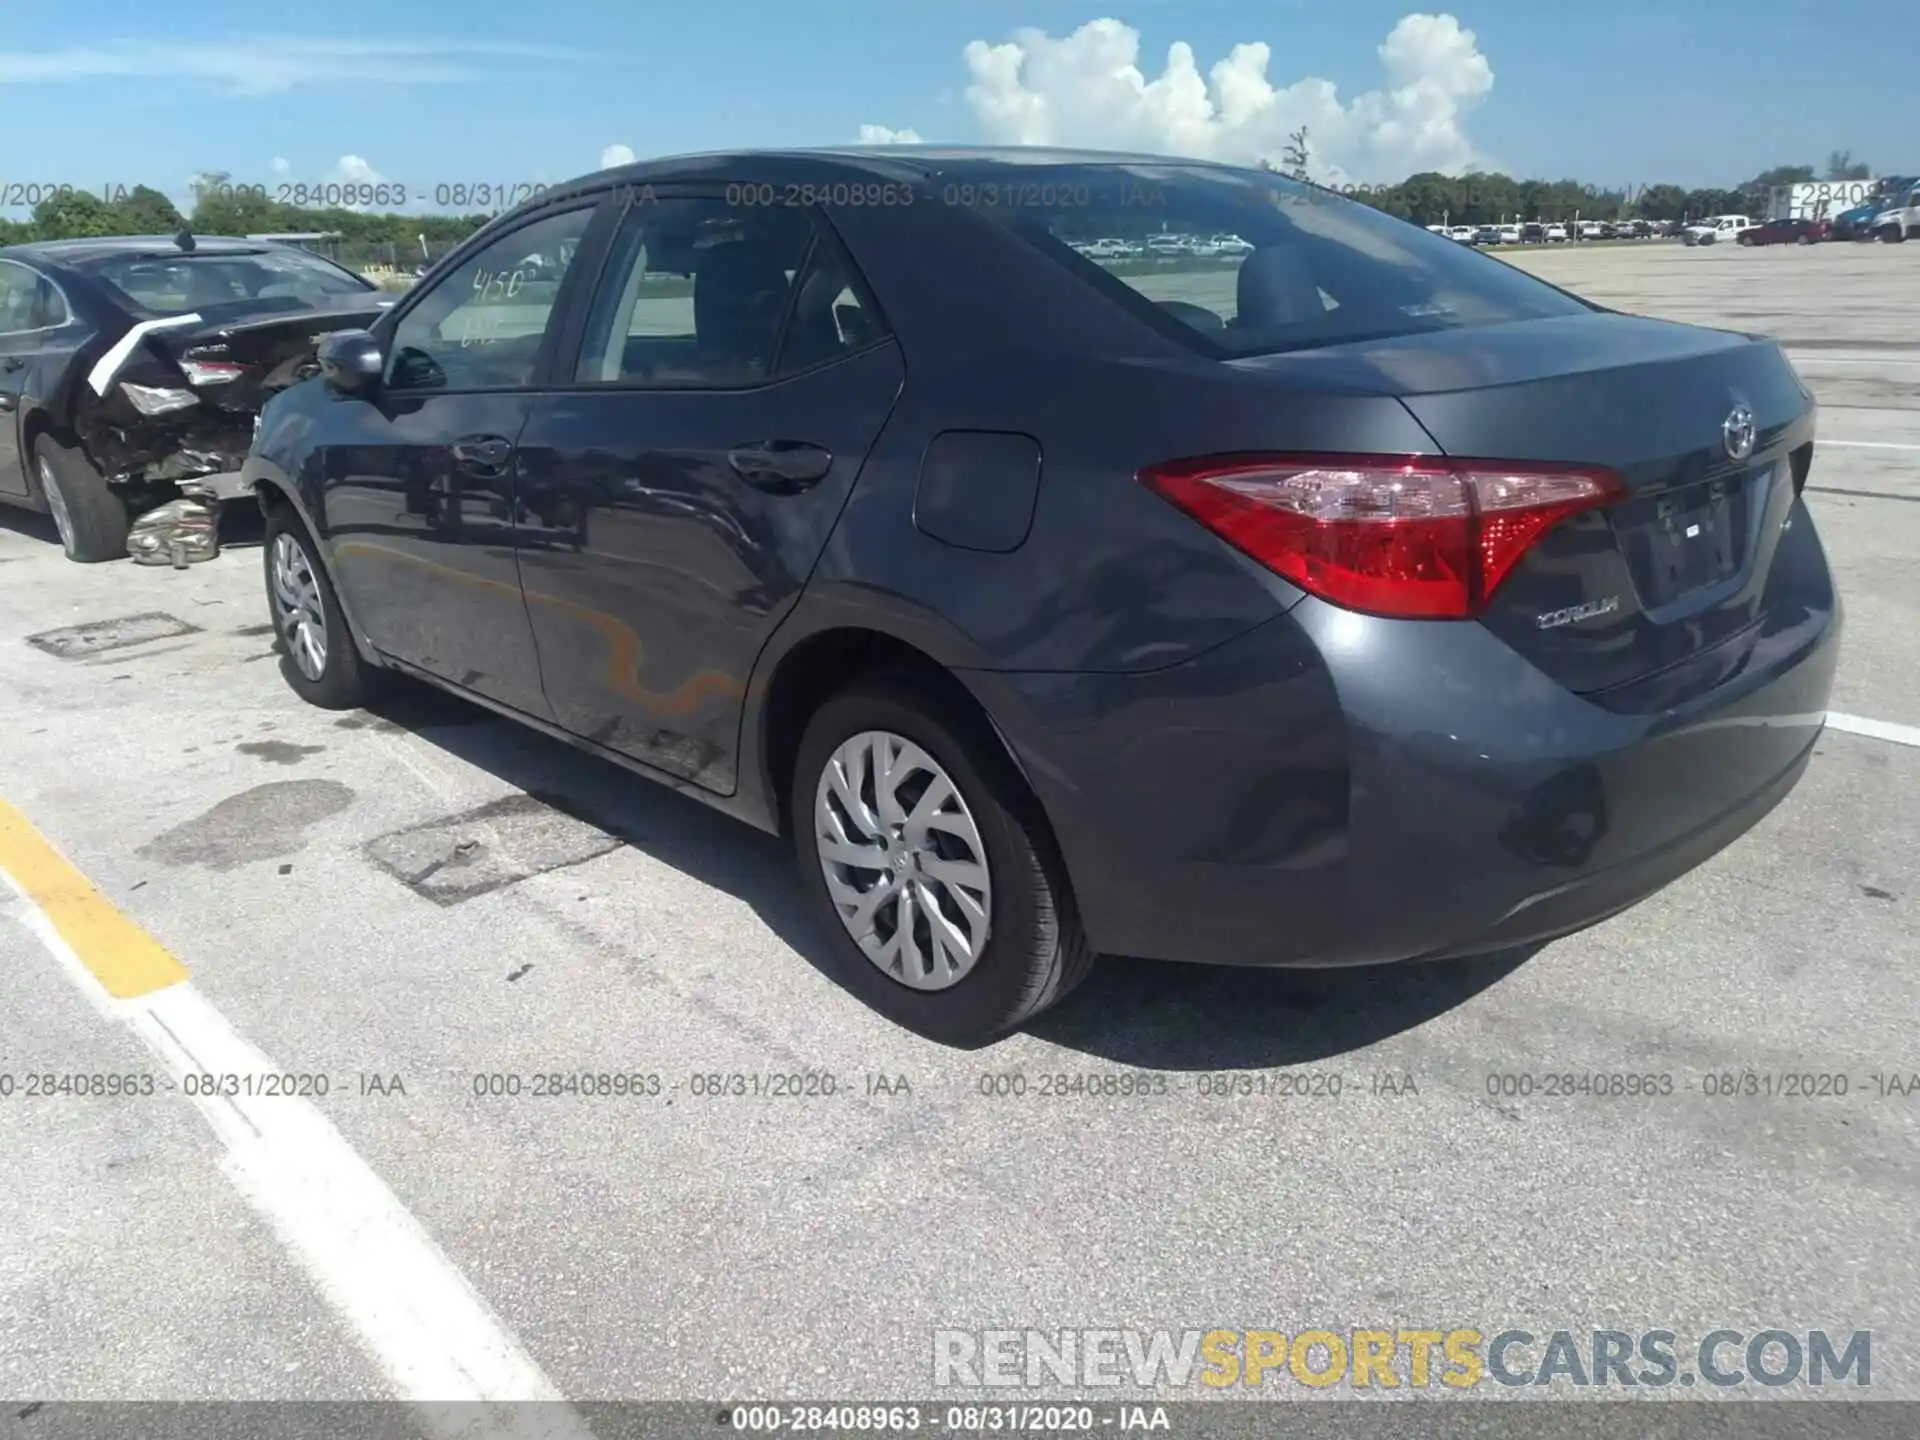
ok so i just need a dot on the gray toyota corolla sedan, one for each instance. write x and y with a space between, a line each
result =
1076 553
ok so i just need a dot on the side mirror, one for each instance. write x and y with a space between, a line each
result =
351 361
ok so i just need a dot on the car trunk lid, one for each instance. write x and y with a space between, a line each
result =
1662 592
234 358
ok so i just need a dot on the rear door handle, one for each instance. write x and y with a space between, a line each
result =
782 467
483 455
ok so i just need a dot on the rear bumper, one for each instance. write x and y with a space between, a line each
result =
1337 790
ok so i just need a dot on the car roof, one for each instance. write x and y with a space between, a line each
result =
144 247
882 162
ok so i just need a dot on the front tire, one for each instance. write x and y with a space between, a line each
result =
91 519
930 866
317 655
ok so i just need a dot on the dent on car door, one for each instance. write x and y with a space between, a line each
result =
731 377
420 477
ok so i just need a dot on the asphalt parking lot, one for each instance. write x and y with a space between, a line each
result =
418 903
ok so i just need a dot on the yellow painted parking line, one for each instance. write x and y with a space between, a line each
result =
125 959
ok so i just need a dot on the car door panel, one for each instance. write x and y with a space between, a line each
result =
423 537
420 479
669 532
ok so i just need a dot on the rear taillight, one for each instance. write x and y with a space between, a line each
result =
1411 536
211 372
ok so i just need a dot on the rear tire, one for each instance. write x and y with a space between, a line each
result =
1031 949
317 655
91 519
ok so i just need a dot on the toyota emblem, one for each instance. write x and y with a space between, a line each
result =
1739 432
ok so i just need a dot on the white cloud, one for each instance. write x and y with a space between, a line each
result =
270 65
881 135
281 165
616 155
354 170
1088 89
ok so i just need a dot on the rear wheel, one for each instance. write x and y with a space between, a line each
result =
930 866
91 519
317 657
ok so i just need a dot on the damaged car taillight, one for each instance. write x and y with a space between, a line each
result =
211 372
158 399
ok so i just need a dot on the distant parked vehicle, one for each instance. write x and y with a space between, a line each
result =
1463 233
1512 234
1900 220
1595 230
1533 233
133 369
1858 223
1487 235
1716 228
1230 245
1556 232
1787 232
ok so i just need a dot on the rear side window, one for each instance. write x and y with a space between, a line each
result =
28 301
1250 262
699 292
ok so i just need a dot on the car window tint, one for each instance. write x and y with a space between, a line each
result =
28 300
1251 261
695 293
480 326
831 317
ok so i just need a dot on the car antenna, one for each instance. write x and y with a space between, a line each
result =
185 239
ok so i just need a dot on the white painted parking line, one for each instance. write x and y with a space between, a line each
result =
435 1338
1877 729
1869 444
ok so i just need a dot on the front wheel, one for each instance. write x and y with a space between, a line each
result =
930 866
91 519
317 655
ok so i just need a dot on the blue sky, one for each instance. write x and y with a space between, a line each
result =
112 92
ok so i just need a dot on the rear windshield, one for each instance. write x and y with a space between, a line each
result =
182 284
1251 261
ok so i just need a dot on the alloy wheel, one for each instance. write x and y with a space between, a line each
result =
301 614
56 506
904 862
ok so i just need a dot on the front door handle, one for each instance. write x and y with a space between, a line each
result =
12 363
783 467
482 455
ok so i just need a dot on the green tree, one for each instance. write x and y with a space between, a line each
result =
72 215
1662 202
145 211
1842 166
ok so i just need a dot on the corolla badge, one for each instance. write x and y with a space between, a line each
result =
1739 431
1554 619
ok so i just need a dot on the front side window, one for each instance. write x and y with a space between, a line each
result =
480 327
702 293
28 300
159 286
1296 266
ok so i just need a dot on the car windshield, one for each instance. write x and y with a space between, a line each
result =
1316 269
165 285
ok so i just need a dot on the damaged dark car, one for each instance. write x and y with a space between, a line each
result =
133 371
